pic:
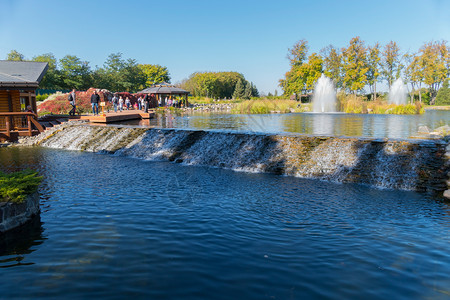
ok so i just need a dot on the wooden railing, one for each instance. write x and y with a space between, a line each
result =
14 124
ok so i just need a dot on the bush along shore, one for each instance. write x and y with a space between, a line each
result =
19 200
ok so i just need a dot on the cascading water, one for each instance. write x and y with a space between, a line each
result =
397 93
413 165
324 98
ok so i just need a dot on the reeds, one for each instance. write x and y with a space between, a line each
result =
266 106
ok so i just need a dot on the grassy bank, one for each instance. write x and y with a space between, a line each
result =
15 187
357 105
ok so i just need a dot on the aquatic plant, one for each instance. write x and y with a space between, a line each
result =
15 187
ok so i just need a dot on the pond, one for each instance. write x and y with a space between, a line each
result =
335 124
118 227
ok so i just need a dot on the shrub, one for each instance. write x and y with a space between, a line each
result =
40 98
16 186
443 95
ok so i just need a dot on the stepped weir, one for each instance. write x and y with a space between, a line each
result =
416 165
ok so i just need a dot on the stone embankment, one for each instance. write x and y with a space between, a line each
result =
213 107
13 215
447 155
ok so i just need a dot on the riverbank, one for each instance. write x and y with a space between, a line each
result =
13 215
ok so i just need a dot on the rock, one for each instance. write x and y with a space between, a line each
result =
423 129
443 130
447 194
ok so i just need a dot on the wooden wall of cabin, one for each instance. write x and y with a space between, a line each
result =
9 101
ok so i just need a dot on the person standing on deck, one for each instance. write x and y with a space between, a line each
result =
146 101
139 102
72 98
115 101
95 99
127 103
120 103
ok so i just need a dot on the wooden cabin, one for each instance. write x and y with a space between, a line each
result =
18 83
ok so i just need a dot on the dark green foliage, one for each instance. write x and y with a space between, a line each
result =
443 95
239 90
120 75
16 186
42 97
248 91
214 84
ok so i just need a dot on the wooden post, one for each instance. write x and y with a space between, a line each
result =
8 127
29 125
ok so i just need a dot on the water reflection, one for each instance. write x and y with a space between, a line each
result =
338 124
18 243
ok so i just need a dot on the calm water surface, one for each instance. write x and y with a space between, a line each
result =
336 124
116 227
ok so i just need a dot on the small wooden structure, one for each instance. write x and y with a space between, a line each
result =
111 117
18 83
166 90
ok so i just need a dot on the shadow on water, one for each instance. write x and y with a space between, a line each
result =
21 241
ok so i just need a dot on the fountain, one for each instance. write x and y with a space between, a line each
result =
324 98
397 93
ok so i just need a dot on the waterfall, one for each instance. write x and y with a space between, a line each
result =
409 165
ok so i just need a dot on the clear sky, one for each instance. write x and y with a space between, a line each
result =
186 36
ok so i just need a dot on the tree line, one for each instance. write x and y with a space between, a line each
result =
117 73
126 75
219 85
358 66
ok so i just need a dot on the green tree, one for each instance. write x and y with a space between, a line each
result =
414 74
434 58
303 74
443 95
332 64
75 73
238 90
374 68
248 90
391 62
155 74
52 79
298 53
15 56
255 92
212 84
121 75
355 65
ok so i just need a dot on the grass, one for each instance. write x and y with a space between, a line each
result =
15 187
355 104
266 106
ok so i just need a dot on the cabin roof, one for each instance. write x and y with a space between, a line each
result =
163 88
21 74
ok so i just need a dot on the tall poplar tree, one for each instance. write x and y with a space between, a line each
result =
374 65
391 62
332 64
355 65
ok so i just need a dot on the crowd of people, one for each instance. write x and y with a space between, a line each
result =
120 104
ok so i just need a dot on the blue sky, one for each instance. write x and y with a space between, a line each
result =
250 37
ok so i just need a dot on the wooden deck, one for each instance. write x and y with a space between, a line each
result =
112 117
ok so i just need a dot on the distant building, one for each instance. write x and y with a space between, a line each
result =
18 83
